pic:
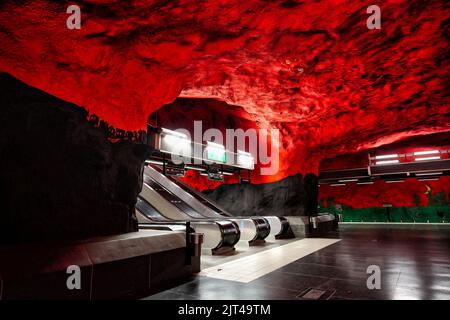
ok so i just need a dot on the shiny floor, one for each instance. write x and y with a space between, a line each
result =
414 262
258 264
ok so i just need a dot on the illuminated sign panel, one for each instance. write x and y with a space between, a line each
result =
245 160
216 152
174 142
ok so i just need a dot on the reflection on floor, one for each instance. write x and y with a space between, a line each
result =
414 263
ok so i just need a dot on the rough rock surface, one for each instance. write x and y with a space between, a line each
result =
293 196
60 178
310 68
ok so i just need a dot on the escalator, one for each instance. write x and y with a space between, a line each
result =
277 226
250 229
155 212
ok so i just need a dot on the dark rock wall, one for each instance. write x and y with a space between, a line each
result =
293 196
60 177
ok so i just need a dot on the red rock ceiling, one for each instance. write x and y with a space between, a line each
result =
359 88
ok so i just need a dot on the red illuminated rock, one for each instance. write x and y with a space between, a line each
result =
310 68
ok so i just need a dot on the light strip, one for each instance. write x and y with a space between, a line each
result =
428 158
174 133
348 180
154 162
194 168
387 162
421 153
337 184
428 174
227 173
394 181
367 182
428 179
387 156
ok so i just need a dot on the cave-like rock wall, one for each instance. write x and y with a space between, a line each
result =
309 68
60 177
292 196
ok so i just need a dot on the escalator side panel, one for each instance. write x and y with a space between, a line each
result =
156 208
171 197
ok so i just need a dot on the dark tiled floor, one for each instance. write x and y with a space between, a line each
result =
414 263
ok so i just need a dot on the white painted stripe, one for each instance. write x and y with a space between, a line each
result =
251 267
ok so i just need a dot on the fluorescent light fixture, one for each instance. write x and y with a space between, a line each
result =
422 153
366 182
154 162
348 180
203 173
428 158
428 179
227 173
387 162
194 168
174 133
174 142
245 159
428 174
394 181
387 156
337 184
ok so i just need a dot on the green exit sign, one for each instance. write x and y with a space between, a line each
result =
216 154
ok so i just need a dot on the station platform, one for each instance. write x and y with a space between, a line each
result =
414 263
124 266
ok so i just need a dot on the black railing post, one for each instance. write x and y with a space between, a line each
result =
188 243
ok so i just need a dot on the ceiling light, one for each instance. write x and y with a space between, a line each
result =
194 168
245 159
428 174
387 162
387 156
348 180
428 158
154 162
394 181
428 179
366 182
174 133
421 153
337 184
